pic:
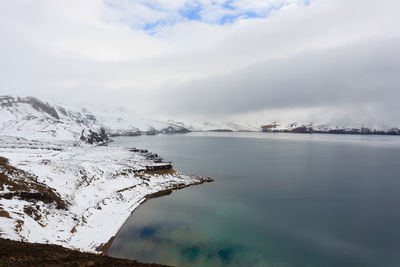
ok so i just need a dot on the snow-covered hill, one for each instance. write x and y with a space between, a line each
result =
288 127
56 189
74 194
296 127
217 126
124 123
35 119
32 118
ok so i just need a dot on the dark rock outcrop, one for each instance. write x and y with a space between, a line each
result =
221 130
152 131
9 101
94 137
174 130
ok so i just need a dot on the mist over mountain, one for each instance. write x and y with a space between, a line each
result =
37 119
33 118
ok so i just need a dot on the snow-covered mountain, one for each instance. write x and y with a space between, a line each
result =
217 126
36 119
54 189
296 127
289 127
124 123
32 118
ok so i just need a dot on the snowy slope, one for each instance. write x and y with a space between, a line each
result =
73 194
32 118
359 128
35 119
205 126
123 123
56 189
295 127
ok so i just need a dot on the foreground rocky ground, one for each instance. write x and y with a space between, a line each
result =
14 253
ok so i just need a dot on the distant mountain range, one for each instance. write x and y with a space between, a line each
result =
217 126
329 129
36 119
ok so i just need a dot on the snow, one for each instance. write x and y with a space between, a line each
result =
35 119
204 126
23 118
103 185
117 121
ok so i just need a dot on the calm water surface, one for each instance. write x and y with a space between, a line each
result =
277 200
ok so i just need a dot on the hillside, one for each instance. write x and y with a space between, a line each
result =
216 126
56 189
32 118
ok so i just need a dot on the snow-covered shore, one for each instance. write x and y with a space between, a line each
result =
100 186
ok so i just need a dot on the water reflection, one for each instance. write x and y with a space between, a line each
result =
185 245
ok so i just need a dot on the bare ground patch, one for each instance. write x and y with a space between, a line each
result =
25 186
14 253
22 185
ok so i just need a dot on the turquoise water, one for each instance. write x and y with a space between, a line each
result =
277 200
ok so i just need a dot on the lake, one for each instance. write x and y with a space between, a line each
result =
277 200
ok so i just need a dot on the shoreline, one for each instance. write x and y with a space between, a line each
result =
101 185
299 130
105 247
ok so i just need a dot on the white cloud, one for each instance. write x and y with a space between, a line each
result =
97 51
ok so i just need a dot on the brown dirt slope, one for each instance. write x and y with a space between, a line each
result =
25 186
14 253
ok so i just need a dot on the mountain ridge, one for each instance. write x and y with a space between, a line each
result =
34 118
37 119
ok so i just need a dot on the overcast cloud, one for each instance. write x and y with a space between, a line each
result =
321 60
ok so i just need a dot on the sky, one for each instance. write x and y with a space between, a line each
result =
323 61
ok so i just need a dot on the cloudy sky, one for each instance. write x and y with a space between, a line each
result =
255 60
